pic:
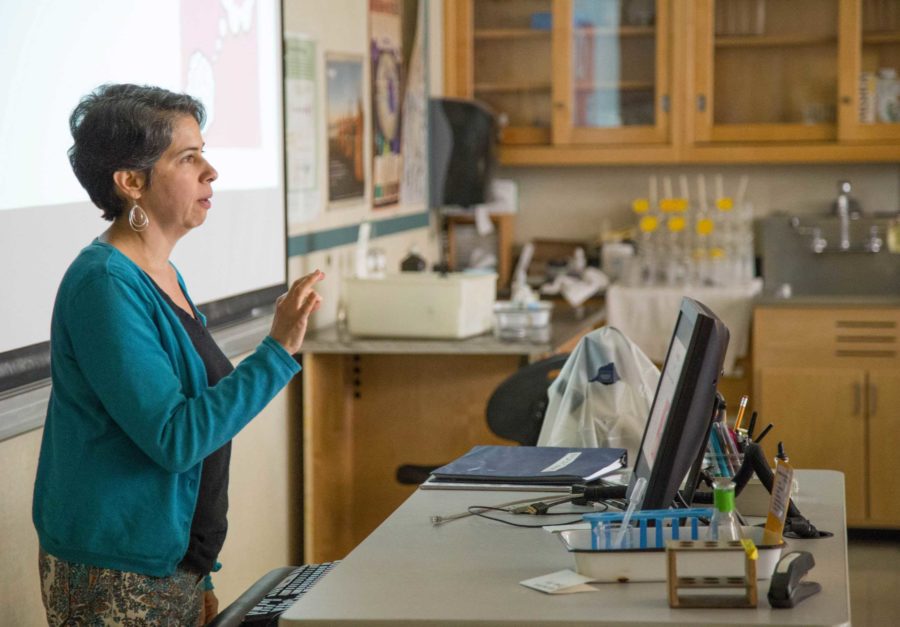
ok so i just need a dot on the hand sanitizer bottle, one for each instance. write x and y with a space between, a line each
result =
724 524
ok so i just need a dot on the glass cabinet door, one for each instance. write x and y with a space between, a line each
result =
870 64
512 66
765 70
611 71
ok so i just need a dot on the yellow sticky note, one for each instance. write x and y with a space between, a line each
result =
640 205
725 203
705 226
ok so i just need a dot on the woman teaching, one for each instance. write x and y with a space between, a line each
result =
131 492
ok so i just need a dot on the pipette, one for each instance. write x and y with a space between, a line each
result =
637 495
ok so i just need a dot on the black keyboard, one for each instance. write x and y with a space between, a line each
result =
286 593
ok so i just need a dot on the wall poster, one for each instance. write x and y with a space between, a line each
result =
385 32
346 125
300 126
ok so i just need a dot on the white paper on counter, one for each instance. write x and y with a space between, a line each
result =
560 582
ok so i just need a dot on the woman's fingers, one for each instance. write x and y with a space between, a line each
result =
302 286
309 304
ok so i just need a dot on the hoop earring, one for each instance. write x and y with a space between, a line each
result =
137 218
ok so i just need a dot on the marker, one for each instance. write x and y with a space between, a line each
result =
752 425
764 432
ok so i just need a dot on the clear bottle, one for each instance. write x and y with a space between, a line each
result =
724 523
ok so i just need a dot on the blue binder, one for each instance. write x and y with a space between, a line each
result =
554 465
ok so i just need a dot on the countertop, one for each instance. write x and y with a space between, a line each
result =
848 301
566 323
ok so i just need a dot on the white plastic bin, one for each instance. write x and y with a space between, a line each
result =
421 304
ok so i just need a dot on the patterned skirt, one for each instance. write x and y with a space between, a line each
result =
78 594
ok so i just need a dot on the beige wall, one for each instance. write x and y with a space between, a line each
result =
576 202
20 592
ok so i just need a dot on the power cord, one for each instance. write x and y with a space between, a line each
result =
528 506
537 509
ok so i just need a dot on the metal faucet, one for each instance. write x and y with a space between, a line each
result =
842 209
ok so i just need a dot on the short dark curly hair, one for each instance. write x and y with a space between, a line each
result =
123 127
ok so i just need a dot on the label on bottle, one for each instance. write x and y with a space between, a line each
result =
779 502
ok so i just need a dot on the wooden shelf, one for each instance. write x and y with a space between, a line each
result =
511 33
616 86
887 37
620 31
506 87
773 41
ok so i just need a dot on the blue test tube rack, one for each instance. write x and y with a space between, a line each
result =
603 523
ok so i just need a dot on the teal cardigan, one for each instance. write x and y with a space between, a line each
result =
131 418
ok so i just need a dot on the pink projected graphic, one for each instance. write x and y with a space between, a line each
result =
220 56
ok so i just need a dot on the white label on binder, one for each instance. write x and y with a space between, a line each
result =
562 462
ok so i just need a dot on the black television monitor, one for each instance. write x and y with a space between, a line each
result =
678 426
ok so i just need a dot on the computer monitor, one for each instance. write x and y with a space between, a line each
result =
680 417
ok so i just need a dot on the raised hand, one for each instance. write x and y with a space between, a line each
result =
292 311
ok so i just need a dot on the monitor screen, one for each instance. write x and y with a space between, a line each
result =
678 425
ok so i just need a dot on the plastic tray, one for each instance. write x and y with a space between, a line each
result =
650 564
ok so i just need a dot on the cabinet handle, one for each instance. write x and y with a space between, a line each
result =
701 103
857 398
664 103
873 399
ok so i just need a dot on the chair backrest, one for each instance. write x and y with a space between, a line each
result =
516 409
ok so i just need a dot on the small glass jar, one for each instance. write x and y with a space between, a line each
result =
724 523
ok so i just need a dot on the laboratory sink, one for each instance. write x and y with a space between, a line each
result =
823 256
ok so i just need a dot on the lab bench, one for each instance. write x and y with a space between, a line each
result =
371 405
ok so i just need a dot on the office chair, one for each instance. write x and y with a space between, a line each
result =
515 410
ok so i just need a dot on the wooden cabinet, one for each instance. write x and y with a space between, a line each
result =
765 71
870 42
588 78
663 81
829 380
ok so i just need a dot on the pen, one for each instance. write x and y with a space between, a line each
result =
740 415
763 433
752 425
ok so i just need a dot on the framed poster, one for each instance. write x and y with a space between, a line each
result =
387 75
346 126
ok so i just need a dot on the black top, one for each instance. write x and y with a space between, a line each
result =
210 523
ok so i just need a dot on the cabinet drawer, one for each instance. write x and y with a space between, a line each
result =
852 338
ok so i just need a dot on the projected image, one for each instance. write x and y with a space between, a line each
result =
220 53
52 52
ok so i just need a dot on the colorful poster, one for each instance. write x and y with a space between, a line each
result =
385 31
300 128
346 125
